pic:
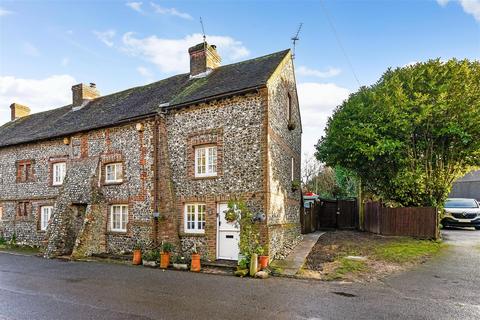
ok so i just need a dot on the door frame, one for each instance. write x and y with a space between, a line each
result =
217 246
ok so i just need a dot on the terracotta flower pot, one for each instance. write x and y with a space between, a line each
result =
137 257
263 261
196 265
164 260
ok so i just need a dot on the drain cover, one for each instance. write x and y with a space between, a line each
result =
344 294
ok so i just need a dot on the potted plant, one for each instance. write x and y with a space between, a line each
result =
165 255
242 267
195 262
291 125
262 259
295 185
137 253
150 258
180 263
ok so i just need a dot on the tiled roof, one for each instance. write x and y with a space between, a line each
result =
141 101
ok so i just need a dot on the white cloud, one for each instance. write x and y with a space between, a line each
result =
171 55
330 72
469 6
144 72
65 61
105 36
30 49
4 12
37 94
317 102
170 11
137 6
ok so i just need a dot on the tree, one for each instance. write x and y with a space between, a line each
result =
326 181
310 169
410 135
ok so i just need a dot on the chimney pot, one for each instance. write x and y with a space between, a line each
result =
18 111
82 92
203 59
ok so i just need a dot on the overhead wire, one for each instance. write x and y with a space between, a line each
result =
337 37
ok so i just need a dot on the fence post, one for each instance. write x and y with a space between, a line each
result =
361 208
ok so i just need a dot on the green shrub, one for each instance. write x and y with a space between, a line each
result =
151 255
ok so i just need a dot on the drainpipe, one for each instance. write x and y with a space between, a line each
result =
155 182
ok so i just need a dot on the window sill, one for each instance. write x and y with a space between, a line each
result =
116 233
191 234
205 177
113 183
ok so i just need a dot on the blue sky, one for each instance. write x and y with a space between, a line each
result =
47 46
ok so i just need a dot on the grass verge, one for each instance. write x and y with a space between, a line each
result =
346 266
375 256
19 249
406 250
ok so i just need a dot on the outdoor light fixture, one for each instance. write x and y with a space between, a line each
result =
259 217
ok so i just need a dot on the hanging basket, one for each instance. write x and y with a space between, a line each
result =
230 216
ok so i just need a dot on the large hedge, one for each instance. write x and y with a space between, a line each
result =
410 135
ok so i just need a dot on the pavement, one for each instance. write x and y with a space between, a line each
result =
295 260
445 287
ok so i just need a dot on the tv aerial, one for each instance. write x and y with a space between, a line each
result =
203 31
295 38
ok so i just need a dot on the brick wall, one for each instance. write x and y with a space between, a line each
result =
123 143
284 143
254 150
235 126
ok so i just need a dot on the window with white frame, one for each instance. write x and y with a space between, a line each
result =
195 218
293 169
59 169
114 172
45 215
118 217
206 161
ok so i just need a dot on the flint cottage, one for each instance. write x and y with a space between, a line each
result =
158 162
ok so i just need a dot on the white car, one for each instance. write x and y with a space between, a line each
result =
461 212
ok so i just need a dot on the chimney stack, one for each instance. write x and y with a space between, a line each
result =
18 111
203 59
83 92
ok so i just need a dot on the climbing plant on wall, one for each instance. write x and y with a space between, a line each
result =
249 230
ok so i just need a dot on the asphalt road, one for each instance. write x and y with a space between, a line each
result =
446 287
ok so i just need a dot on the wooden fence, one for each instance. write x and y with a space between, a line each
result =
416 222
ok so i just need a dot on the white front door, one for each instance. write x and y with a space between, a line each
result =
228 236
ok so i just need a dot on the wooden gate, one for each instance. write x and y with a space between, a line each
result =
338 214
